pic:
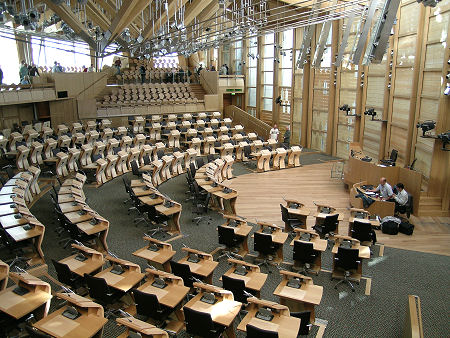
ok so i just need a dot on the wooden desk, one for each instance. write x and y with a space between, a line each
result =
70 207
127 280
152 200
319 213
90 322
35 235
159 258
13 220
173 213
282 322
319 245
172 294
146 330
143 190
100 229
222 312
278 237
241 228
378 207
93 263
364 253
254 279
8 209
227 200
79 216
304 298
37 300
297 210
204 268
4 271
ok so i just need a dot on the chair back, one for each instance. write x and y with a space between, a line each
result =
63 272
135 168
160 154
263 243
200 162
362 231
147 160
198 323
98 288
304 252
347 259
147 304
284 214
256 332
394 154
126 184
330 223
210 158
192 168
226 236
305 318
236 286
183 271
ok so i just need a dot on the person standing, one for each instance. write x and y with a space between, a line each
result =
142 72
287 135
91 69
55 68
34 71
274 132
23 71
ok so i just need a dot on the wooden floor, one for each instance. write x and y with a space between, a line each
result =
260 195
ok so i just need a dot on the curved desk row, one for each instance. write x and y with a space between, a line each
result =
19 226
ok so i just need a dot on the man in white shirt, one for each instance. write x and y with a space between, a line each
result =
401 198
384 189
274 133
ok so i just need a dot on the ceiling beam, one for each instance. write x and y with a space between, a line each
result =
149 30
97 16
129 10
66 14
195 8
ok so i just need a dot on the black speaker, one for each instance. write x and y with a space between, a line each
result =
62 94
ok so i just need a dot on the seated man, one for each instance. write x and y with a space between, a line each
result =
401 198
384 189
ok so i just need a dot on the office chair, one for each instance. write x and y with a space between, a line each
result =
407 208
193 169
127 185
256 332
190 181
160 154
183 271
294 223
305 325
148 306
230 240
210 158
237 287
101 293
264 245
392 159
135 168
201 324
66 276
199 162
329 224
201 202
305 254
348 260
363 232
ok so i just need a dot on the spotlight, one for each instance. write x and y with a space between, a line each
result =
278 100
371 112
345 108
33 15
447 90
426 126
445 138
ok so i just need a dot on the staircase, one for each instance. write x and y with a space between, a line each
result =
432 206
198 91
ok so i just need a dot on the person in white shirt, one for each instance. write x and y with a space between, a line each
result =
384 189
401 198
274 133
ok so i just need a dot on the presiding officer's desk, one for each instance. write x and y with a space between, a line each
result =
379 206
278 237
204 267
320 245
146 330
86 260
364 253
131 274
298 292
361 215
157 253
250 273
35 297
173 292
88 322
222 312
241 228
282 322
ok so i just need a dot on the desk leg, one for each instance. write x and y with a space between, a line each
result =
230 331
102 239
174 223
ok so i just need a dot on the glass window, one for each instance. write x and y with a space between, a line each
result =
286 77
268 51
288 39
9 60
268 91
252 97
268 78
269 38
268 64
251 77
267 104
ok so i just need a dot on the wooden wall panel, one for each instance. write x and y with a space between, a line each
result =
409 14
15 114
400 112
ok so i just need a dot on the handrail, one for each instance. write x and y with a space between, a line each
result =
249 122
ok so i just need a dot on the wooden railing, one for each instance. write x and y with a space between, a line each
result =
249 122
413 323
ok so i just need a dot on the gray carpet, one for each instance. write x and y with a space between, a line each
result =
382 314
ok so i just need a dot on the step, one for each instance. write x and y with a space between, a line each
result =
435 213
